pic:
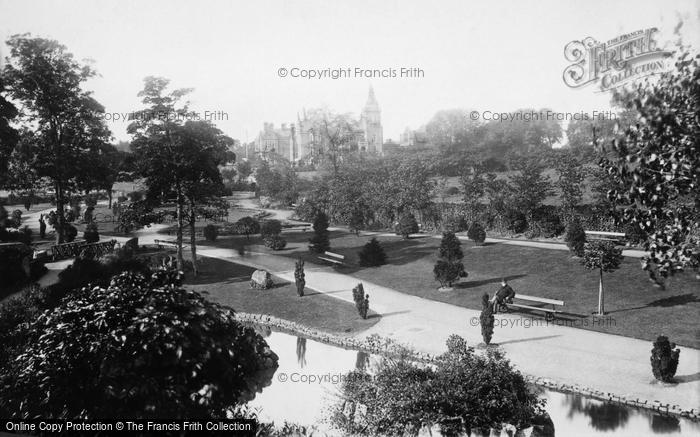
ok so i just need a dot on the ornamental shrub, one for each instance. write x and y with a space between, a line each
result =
248 226
91 235
210 232
486 319
372 254
477 233
275 242
299 277
407 225
664 359
270 228
320 241
575 237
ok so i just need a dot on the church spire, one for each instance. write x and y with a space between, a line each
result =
372 104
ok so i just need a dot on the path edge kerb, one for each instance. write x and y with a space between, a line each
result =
361 344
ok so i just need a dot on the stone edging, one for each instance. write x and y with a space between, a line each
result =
394 350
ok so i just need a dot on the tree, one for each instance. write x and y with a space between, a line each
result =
247 226
474 187
486 319
68 130
658 164
575 237
407 225
449 267
320 242
112 345
372 254
529 186
605 257
178 159
8 135
244 170
571 177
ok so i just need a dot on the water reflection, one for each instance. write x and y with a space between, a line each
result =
665 424
301 352
572 415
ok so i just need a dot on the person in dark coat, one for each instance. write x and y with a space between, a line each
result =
504 295
42 227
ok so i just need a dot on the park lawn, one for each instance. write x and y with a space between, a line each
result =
634 306
229 284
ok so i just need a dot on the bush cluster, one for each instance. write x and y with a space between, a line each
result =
210 232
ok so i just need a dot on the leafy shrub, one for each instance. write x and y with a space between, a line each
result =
634 234
664 359
320 242
446 273
210 232
270 228
135 196
372 254
16 218
575 237
455 224
449 267
516 221
361 300
275 242
248 226
23 235
387 404
486 319
407 225
476 233
69 232
112 344
548 221
91 235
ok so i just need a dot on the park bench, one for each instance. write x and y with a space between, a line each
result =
606 236
167 243
297 227
548 312
334 258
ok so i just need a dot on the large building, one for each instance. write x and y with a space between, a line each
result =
302 139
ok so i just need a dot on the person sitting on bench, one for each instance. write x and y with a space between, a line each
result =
504 295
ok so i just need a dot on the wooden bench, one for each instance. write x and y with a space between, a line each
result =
606 236
334 258
548 313
293 228
167 243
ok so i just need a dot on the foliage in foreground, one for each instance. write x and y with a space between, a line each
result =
143 347
462 393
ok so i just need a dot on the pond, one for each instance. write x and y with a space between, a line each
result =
309 377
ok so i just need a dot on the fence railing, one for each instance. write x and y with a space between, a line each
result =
81 248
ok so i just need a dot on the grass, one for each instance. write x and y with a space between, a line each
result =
634 306
228 284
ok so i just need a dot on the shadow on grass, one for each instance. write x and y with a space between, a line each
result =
545 337
479 283
666 302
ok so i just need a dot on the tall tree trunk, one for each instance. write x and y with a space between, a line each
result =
109 194
601 295
180 218
193 238
60 218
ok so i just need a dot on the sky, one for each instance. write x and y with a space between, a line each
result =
480 55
